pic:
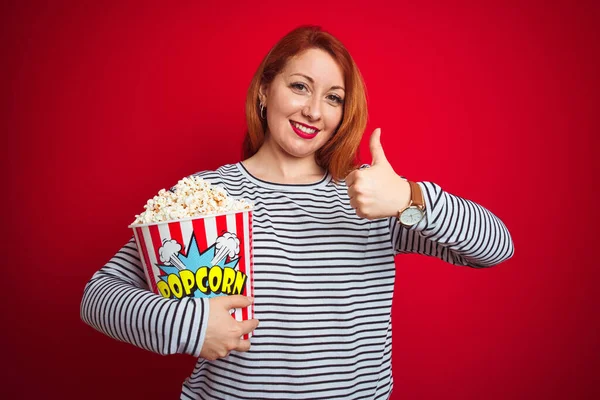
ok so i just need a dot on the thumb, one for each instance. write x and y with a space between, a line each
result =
236 301
377 154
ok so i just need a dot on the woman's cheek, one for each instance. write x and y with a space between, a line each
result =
296 103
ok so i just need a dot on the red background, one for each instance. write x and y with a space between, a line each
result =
107 103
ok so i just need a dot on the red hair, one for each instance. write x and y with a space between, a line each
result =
338 155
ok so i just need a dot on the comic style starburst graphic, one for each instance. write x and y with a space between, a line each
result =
194 260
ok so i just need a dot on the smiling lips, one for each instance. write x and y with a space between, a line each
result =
304 131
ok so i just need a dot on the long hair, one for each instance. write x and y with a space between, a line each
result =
338 155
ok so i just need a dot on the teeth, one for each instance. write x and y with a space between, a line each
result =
304 129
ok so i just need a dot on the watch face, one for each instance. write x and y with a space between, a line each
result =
411 216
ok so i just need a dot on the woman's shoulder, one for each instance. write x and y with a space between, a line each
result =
220 175
223 176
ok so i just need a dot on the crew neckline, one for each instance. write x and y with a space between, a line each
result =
298 187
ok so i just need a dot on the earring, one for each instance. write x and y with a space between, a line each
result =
261 110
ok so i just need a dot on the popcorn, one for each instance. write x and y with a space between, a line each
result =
191 197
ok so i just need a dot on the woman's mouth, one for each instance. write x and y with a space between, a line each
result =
303 131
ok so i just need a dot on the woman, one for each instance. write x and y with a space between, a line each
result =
325 237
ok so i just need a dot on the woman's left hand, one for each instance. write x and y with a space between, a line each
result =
377 192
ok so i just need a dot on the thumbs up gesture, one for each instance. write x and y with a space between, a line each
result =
377 192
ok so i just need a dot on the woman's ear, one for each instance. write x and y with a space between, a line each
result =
262 94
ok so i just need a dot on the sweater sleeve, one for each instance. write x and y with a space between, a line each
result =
454 230
117 302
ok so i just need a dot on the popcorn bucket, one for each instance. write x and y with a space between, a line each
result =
199 257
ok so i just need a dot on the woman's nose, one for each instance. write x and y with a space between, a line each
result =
312 108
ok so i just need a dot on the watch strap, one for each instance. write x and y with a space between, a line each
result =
416 195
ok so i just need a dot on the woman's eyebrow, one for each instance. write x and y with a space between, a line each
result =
311 80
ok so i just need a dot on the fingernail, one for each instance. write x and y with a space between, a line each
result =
251 299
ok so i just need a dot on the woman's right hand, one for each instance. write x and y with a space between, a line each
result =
224 333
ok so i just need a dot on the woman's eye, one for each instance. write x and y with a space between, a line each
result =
302 87
298 86
337 99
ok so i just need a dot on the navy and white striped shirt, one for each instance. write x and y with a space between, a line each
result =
323 287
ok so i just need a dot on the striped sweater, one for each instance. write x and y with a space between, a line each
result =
323 287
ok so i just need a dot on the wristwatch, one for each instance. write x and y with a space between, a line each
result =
415 211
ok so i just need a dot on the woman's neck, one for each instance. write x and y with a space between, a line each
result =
274 165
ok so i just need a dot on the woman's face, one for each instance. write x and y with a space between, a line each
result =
304 103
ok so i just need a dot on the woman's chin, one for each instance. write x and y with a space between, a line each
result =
299 152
